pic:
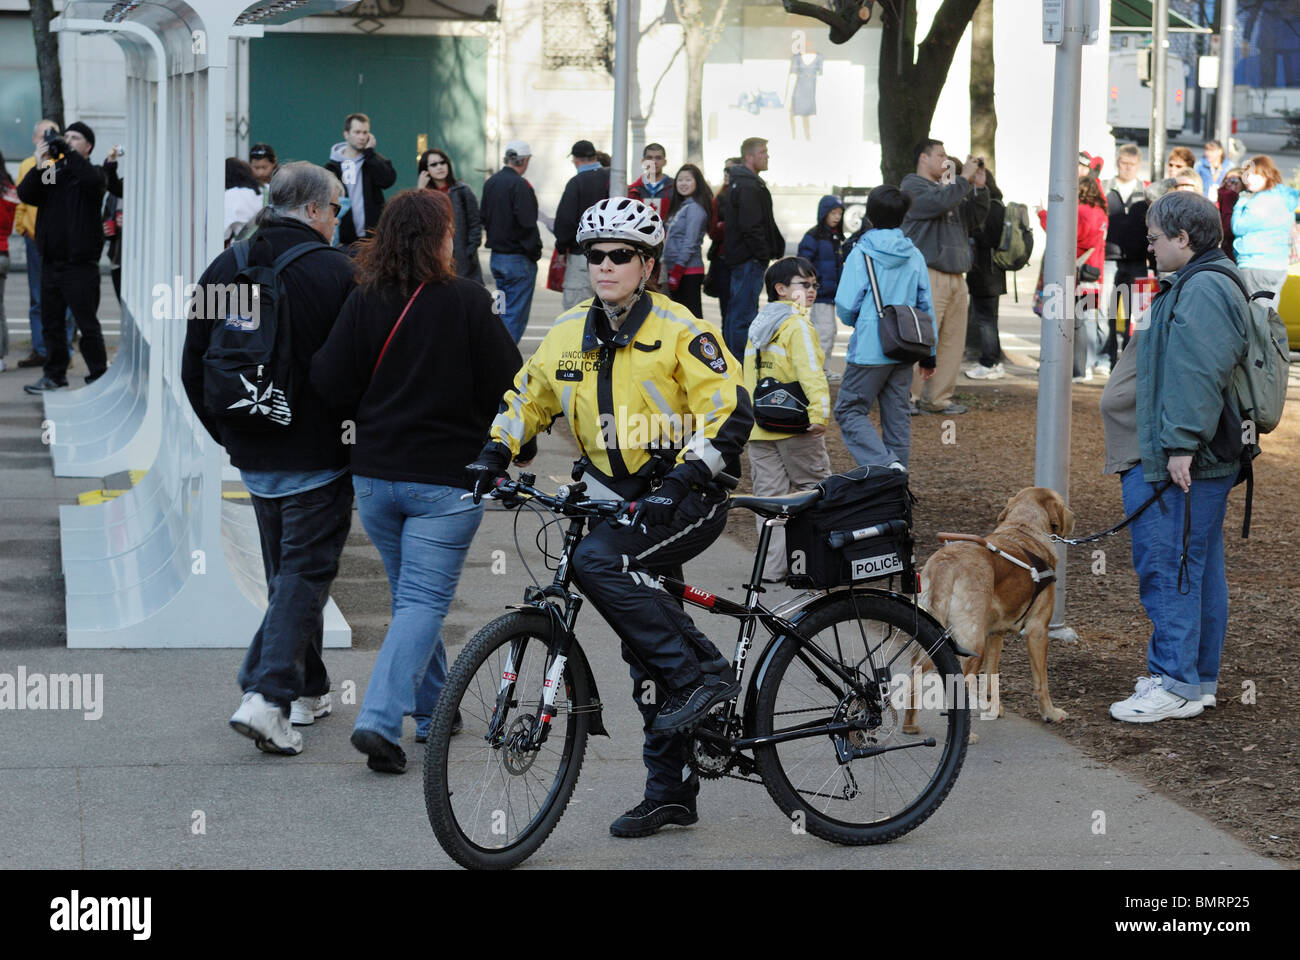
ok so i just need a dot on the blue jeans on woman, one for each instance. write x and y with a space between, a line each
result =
423 532
1189 627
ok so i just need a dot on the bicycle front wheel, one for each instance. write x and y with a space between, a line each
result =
875 784
492 797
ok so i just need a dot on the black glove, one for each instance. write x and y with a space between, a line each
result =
660 506
481 475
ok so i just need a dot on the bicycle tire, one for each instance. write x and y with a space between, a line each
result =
779 694
446 760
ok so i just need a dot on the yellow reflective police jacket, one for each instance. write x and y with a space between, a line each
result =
665 386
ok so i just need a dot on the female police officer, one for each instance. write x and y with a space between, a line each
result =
658 408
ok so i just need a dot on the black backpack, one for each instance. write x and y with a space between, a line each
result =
249 381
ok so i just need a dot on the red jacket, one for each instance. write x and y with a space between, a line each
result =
1091 234
661 203
8 204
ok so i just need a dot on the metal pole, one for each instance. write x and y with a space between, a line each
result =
622 77
1227 66
1159 83
1052 448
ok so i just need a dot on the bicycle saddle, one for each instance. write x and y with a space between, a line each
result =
791 504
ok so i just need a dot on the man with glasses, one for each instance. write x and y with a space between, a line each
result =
297 472
1126 252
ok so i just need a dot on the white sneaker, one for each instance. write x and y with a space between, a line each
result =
305 711
266 726
1102 370
981 372
1208 701
1151 702
898 465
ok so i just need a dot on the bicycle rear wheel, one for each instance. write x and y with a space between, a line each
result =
492 801
875 798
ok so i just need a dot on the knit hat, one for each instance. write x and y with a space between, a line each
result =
82 129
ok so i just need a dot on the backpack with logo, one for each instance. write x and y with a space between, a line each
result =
1017 242
1258 383
249 382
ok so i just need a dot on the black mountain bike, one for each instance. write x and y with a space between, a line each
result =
819 723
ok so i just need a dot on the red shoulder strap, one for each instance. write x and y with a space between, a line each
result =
393 332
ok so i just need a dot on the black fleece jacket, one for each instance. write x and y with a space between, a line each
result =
582 190
316 286
752 233
423 413
68 229
377 175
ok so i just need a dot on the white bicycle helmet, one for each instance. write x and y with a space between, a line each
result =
622 218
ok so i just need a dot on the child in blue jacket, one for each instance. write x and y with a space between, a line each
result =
870 376
823 246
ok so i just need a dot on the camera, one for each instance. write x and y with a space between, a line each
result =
57 145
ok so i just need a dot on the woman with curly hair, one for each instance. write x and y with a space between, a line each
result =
436 173
418 363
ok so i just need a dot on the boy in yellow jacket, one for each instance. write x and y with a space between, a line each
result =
782 344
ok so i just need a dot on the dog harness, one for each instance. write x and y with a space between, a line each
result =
1039 571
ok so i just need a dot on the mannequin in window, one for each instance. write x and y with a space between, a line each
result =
801 87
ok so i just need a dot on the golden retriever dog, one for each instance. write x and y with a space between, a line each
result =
980 595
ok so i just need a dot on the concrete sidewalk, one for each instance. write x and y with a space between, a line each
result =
160 780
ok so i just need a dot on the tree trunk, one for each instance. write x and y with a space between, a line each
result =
911 78
697 51
983 111
47 61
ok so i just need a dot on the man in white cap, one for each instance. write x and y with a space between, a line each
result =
509 211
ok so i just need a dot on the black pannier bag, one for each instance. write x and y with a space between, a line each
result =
853 502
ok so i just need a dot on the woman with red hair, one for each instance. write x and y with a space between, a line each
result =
417 362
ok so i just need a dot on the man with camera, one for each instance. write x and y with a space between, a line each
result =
69 191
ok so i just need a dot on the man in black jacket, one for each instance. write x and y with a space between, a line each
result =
753 241
297 474
1126 243
69 190
365 174
587 187
987 282
509 211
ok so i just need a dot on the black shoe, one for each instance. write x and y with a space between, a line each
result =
33 359
650 816
43 385
95 376
385 756
687 707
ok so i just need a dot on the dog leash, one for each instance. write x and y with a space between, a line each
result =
1184 578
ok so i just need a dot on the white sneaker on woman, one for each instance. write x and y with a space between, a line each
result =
981 372
1152 702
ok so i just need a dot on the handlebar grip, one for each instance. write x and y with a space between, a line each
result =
727 480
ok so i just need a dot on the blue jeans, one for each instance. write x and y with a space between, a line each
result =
34 298
1188 628
302 538
516 278
423 532
742 308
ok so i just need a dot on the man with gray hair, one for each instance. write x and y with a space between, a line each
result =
296 472
1173 428
509 211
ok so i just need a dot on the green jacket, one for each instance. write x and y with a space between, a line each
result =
1185 358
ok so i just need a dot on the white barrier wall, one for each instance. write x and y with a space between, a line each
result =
154 567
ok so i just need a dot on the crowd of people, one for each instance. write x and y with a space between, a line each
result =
407 386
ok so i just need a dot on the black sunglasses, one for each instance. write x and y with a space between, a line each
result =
620 256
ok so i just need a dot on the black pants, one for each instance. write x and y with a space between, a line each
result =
688 293
984 317
1126 271
616 568
302 537
722 273
75 287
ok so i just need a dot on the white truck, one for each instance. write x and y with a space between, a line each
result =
1128 102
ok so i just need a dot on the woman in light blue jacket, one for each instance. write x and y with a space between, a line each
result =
1261 227
688 218
869 375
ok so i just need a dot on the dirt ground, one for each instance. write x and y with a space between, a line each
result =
1236 764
